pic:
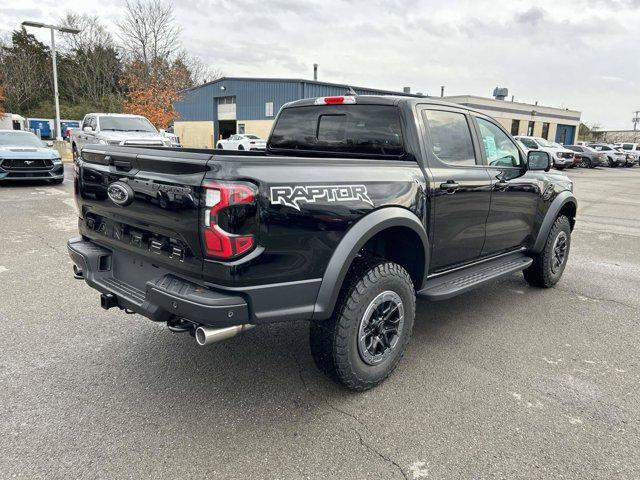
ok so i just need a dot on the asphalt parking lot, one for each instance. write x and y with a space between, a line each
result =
507 381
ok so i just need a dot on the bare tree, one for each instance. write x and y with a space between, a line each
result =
199 71
90 66
148 33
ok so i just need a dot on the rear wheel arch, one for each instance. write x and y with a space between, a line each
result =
375 234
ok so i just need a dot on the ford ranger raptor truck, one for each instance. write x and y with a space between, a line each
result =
359 205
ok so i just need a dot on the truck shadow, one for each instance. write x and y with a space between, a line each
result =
269 370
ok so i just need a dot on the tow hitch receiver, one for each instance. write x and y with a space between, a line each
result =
108 300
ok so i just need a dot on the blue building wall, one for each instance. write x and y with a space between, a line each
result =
200 104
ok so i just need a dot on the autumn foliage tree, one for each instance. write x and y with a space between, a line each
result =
157 69
153 95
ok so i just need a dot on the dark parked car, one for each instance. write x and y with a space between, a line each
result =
358 205
588 157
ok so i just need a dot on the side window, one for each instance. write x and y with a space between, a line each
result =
450 137
498 147
92 122
86 122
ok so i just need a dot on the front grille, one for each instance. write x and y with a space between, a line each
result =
25 164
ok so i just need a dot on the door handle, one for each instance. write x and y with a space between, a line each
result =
450 186
501 184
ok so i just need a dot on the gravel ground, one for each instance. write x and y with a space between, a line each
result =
506 381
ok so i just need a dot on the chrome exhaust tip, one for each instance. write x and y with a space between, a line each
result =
208 335
77 273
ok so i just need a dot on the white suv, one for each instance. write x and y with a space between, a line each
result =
562 157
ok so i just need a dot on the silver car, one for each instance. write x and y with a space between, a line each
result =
23 156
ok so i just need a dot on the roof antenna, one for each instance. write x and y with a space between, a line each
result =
351 91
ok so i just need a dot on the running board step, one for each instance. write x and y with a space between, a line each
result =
460 281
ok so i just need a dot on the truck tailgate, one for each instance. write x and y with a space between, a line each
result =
143 201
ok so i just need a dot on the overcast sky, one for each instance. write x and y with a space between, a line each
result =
582 55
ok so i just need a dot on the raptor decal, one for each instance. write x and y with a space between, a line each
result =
293 196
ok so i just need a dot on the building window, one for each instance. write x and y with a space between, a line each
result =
241 128
545 131
268 109
530 129
226 100
515 127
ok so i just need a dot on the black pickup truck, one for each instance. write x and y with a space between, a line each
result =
358 205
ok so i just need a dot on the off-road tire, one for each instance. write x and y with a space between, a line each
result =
540 273
334 342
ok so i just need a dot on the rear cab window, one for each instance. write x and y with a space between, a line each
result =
371 130
450 136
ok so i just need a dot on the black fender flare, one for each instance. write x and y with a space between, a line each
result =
348 248
552 213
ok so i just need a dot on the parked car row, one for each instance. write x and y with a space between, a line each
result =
586 155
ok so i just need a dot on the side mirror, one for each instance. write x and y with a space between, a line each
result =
87 129
538 160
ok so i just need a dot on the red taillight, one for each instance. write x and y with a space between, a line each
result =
218 242
335 100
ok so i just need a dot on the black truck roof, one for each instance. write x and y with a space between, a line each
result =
382 100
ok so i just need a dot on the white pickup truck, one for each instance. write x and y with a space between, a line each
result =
115 129
562 157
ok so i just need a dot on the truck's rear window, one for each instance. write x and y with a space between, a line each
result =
348 129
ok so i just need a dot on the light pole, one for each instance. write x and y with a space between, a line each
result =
53 28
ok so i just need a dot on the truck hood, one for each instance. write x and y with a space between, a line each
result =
121 136
28 152
558 149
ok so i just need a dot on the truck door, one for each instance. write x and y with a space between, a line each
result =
515 193
89 138
460 184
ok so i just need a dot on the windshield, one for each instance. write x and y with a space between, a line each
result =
546 143
352 129
20 139
126 124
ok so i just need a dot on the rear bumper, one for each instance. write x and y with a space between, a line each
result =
156 293
160 298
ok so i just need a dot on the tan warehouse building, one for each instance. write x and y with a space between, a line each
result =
555 124
230 105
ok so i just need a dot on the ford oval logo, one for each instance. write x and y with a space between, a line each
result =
120 193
